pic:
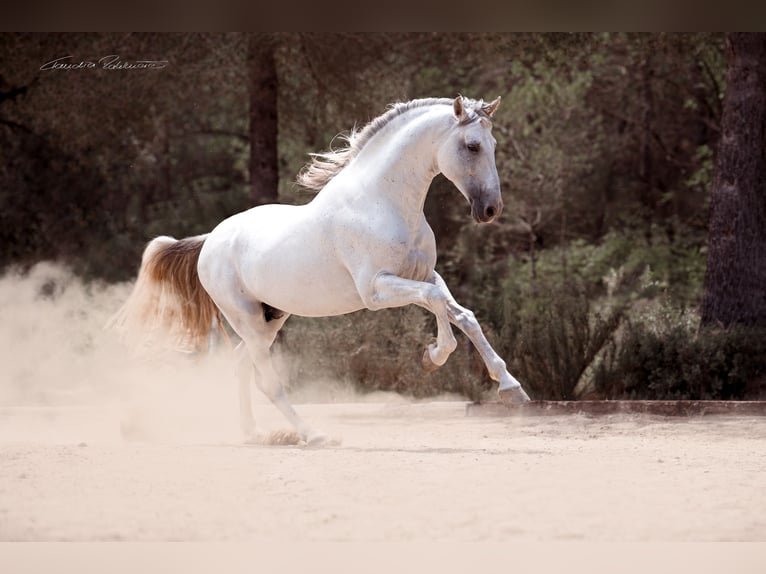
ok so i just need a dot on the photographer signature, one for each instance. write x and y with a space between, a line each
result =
111 62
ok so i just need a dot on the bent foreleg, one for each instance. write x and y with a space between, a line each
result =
393 291
464 319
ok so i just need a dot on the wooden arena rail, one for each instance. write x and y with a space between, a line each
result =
661 408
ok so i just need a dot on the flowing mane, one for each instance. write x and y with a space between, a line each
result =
324 166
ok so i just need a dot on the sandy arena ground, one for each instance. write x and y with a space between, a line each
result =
403 472
100 445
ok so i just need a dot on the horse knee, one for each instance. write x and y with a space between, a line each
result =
436 300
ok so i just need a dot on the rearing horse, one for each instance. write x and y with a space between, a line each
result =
361 243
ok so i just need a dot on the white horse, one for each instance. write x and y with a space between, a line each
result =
361 243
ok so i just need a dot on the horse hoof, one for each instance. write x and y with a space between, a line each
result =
513 395
316 439
427 363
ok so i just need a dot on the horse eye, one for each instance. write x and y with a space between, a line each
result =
473 146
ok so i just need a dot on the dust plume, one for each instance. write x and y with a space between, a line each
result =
66 378
56 353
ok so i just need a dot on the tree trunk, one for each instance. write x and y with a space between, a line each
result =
264 169
646 167
735 282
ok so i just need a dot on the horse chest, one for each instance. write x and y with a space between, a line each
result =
416 256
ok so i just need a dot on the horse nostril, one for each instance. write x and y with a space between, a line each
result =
489 212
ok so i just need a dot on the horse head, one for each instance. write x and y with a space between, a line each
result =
467 157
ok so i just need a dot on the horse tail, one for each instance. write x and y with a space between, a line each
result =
168 301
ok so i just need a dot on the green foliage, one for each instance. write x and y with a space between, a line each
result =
557 316
560 316
556 162
662 356
559 337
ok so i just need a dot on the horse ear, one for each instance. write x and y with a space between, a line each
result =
457 107
491 107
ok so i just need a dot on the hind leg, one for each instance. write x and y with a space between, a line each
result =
258 332
268 382
245 374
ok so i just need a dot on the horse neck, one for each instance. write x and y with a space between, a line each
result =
399 162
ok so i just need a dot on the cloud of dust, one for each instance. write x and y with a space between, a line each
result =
67 378
63 372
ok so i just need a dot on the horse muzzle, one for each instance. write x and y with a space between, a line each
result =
486 211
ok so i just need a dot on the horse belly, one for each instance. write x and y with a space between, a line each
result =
301 276
307 291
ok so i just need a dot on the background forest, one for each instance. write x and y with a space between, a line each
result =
590 284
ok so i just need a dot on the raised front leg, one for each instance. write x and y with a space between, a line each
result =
509 388
393 291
